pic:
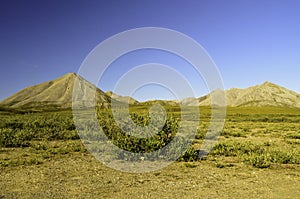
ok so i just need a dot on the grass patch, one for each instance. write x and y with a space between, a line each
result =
294 135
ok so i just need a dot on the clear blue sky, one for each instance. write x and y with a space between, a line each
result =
250 41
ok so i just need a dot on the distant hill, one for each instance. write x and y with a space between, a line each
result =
162 102
266 94
120 98
190 101
58 94
55 94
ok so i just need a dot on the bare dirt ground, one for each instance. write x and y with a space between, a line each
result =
81 176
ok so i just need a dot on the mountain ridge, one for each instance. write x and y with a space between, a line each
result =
266 94
59 93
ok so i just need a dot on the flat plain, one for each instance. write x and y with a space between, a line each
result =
256 156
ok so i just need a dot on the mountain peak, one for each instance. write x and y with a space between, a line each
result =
267 83
70 75
57 93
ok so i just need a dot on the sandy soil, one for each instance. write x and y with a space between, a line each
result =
81 176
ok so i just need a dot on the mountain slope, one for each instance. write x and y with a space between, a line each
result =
125 99
266 94
55 93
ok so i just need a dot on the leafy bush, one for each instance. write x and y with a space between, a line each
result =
257 155
258 161
124 139
7 138
18 130
190 155
13 138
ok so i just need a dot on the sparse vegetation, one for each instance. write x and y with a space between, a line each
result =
260 138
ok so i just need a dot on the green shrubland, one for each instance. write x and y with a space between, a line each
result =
258 137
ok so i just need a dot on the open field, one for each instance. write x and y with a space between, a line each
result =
257 156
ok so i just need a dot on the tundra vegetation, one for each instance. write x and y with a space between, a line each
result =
266 138
260 137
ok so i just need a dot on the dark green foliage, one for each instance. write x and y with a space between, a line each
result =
257 155
18 130
134 144
190 155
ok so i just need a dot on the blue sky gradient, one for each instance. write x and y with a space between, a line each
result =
250 41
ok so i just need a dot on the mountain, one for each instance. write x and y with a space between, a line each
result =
125 99
266 94
190 101
56 94
161 102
